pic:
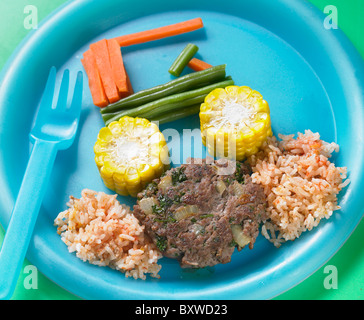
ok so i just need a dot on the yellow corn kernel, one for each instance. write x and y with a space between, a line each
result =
129 154
235 122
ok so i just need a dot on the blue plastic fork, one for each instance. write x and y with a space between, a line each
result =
54 129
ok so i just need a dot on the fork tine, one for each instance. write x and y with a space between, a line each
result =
63 91
47 98
75 106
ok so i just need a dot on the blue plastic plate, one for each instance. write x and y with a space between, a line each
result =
311 77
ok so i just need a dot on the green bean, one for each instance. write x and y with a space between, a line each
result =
107 116
169 103
163 109
178 105
176 115
183 58
188 82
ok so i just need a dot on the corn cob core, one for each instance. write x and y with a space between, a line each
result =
129 154
235 122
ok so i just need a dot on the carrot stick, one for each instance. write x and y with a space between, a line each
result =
118 69
94 81
198 65
129 89
160 33
101 53
128 82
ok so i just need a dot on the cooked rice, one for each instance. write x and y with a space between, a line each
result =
105 233
300 183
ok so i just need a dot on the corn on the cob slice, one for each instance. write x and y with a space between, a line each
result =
129 154
235 121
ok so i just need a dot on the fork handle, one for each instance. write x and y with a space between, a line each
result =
24 215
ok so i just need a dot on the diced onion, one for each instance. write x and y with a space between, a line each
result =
239 237
165 183
184 212
238 189
147 204
220 187
197 228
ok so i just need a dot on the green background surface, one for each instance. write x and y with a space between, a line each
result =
349 260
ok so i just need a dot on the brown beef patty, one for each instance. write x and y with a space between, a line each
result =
197 215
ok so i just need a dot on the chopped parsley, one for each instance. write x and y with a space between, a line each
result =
157 210
239 176
232 243
203 216
169 218
151 187
161 243
164 204
161 210
179 175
